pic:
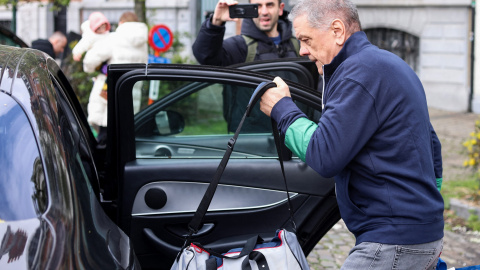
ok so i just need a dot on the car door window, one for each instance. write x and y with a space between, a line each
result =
180 119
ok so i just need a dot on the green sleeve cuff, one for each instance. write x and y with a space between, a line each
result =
439 183
297 136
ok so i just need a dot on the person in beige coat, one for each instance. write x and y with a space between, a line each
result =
128 44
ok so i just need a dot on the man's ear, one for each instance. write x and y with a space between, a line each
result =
280 9
339 31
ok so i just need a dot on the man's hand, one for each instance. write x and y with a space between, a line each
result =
273 95
221 14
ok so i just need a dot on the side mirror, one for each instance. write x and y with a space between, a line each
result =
169 122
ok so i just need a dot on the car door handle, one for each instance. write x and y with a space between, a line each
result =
172 251
206 228
163 246
160 245
181 230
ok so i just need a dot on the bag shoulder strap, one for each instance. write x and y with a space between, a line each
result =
276 135
245 250
296 45
194 224
251 48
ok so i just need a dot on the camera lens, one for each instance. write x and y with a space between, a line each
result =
240 11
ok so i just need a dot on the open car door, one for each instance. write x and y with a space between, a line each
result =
168 128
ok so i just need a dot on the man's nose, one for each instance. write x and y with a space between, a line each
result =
262 9
303 51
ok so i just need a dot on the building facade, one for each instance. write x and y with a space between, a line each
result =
444 30
436 37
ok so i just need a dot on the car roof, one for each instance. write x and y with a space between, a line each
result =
24 75
16 62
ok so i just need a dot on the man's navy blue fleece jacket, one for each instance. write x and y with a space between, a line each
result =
376 139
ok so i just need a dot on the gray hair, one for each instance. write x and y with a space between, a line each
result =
321 13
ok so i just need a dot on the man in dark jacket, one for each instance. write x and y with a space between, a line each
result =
53 46
267 37
271 31
374 137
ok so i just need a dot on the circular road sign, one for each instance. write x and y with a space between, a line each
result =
160 38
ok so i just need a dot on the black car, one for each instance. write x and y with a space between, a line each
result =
7 37
67 202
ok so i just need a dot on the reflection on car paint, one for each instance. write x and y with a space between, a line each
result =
49 216
16 238
13 244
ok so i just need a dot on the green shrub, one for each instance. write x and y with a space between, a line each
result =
472 147
81 81
473 222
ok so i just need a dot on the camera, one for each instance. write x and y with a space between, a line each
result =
243 11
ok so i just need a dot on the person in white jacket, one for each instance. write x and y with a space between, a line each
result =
128 44
94 29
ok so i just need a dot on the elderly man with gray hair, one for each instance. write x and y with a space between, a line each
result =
374 137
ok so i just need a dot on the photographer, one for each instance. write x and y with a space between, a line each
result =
270 33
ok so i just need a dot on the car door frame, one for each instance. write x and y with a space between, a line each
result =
121 149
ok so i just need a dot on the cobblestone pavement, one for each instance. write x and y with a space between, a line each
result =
460 248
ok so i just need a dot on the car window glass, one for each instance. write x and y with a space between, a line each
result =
183 119
23 190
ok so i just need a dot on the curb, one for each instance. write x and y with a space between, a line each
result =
462 210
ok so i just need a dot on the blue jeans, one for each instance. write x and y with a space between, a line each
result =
369 255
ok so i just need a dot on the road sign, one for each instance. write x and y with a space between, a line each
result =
160 38
158 60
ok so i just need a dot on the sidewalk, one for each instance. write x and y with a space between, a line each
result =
460 249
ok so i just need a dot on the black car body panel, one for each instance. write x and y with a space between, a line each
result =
50 215
69 203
